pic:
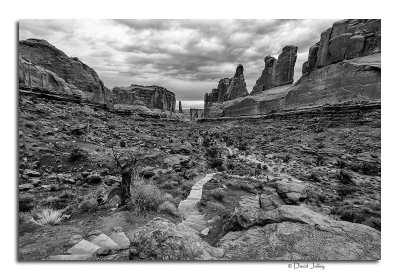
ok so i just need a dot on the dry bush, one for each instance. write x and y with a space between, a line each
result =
146 197
49 216
169 208
217 194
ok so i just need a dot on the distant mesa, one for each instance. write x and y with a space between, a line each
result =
153 97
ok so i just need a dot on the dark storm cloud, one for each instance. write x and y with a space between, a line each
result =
190 56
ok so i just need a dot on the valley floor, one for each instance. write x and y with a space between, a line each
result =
328 164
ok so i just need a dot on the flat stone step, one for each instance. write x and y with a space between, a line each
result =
183 227
75 257
196 217
197 227
83 247
198 222
105 241
121 239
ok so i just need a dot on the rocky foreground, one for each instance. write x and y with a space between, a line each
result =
291 186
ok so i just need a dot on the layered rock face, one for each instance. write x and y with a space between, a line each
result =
237 86
36 77
345 65
228 89
277 72
153 97
345 40
42 54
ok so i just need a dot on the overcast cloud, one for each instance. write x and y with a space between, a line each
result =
188 57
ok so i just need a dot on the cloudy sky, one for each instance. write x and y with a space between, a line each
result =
188 57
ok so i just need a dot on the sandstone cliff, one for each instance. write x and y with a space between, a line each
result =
343 67
77 75
345 40
277 72
37 78
153 97
228 89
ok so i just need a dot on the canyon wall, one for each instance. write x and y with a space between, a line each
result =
343 67
41 55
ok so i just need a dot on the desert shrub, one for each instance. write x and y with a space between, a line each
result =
286 158
218 194
26 223
314 176
242 146
145 196
48 216
206 142
245 187
366 168
341 164
169 208
230 165
344 191
212 152
77 154
216 163
87 205
345 177
373 222
217 207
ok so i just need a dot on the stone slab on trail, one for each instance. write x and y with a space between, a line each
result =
83 247
104 241
121 239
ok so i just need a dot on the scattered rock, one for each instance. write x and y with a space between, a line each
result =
161 239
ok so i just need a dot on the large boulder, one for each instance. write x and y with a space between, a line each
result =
277 72
153 97
297 233
74 72
161 239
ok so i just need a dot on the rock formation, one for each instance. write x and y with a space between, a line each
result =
228 89
344 66
161 239
153 97
237 86
297 233
180 107
42 54
345 40
35 77
277 72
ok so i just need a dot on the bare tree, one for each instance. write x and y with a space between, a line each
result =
127 163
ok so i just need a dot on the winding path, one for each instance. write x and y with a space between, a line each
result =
193 218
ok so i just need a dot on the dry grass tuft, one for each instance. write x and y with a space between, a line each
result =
48 216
